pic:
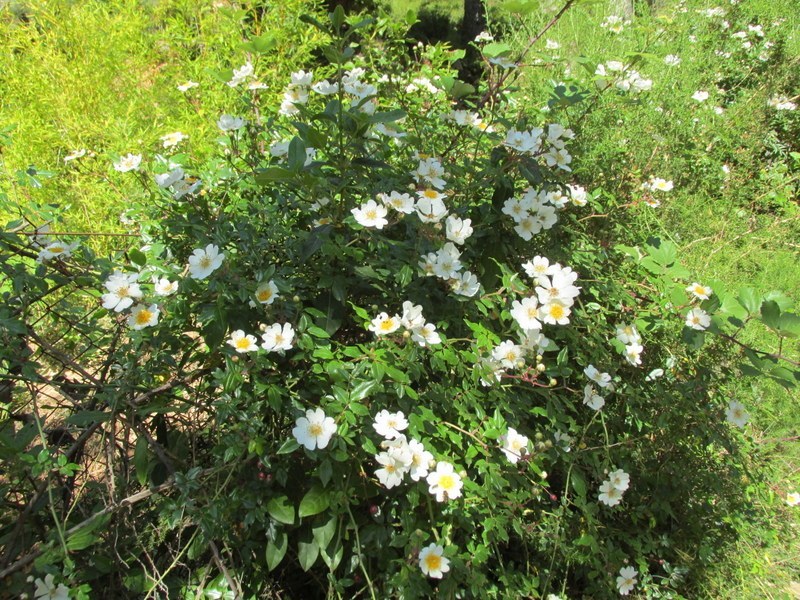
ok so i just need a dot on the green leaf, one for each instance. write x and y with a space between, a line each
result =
520 7
388 116
288 446
789 324
307 552
276 550
750 299
314 502
141 460
281 510
733 307
578 483
85 417
137 257
318 332
272 174
323 533
770 314
495 49
297 154
362 390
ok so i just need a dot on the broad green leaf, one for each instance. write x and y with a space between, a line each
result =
314 502
307 553
770 314
750 299
388 116
276 550
137 257
323 533
789 324
281 510
494 49
297 154
578 483
272 174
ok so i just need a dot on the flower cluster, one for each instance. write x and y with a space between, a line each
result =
614 487
591 398
180 183
622 77
629 336
549 145
413 321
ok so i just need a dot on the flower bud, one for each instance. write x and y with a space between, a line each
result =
553 382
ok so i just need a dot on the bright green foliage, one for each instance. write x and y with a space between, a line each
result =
219 468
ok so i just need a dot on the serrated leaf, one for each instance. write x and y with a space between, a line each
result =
280 509
314 502
276 550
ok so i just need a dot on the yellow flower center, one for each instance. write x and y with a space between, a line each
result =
446 482
556 311
371 214
56 249
699 290
511 355
432 194
143 317
315 429
205 262
278 339
264 295
123 292
242 343
433 561
387 325
532 312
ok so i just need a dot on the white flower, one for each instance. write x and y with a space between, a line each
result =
371 214
173 139
389 425
700 96
314 430
242 342
230 123
555 312
514 445
736 414
444 482
185 186
793 499
508 354
778 103
432 562
626 580
484 36
267 292
619 479
165 180
465 284
601 379
383 324
698 319
56 250
412 315
661 185
143 316
430 209
539 267
558 287
47 590
302 78
609 495
627 334
633 353
592 399
203 262
426 335
528 142
402 203
241 74
185 87
654 374
74 155
129 162
394 465
421 460
699 291
277 338
672 60
325 87
164 287
458 230
551 45
526 313
122 291
431 171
